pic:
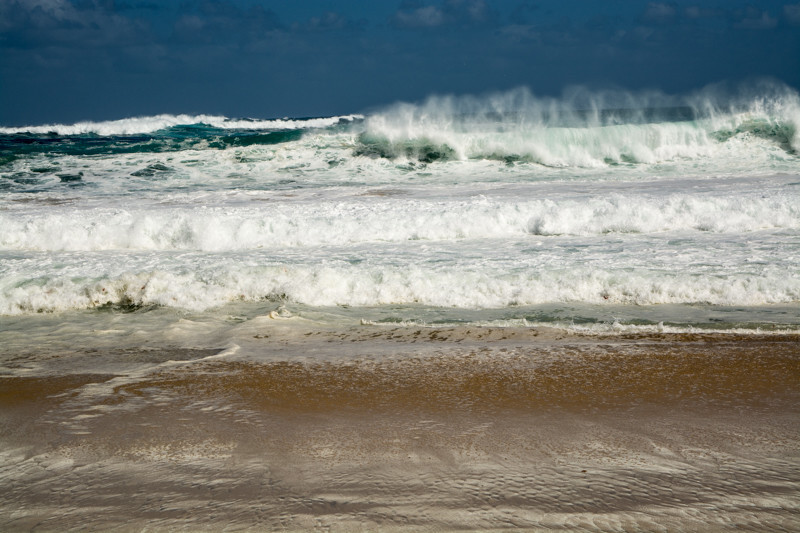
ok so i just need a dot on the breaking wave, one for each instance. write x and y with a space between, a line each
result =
144 125
582 129
363 285
354 222
455 202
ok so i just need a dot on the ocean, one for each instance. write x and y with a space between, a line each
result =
359 318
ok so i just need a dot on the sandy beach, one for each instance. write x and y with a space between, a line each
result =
377 428
406 266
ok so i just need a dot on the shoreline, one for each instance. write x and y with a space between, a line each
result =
377 428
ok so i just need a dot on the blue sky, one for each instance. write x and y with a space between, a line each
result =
69 60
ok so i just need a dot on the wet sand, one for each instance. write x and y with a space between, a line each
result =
400 428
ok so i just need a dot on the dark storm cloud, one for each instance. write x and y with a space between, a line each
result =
331 21
461 13
755 19
523 12
699 12
221 21
792 14
79 59
734 18
88 24
660 12
126 6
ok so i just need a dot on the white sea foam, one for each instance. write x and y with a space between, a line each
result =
143 125
600 328
591 147
586 129
615 328
202 287
469 204
344 222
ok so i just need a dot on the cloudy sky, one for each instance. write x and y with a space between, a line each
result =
69 60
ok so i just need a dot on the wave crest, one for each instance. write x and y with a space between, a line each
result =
583 128
144 125
348 223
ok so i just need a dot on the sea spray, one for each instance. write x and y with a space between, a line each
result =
583 128
456 206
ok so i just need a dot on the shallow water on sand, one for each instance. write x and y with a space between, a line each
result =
472 313
396 427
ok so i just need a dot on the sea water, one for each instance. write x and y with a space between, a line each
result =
597 211
468 313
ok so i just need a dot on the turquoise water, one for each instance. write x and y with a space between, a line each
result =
610 213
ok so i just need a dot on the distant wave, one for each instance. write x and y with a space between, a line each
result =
583 129
144 125
499 201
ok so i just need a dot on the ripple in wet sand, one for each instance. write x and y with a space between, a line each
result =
638 434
